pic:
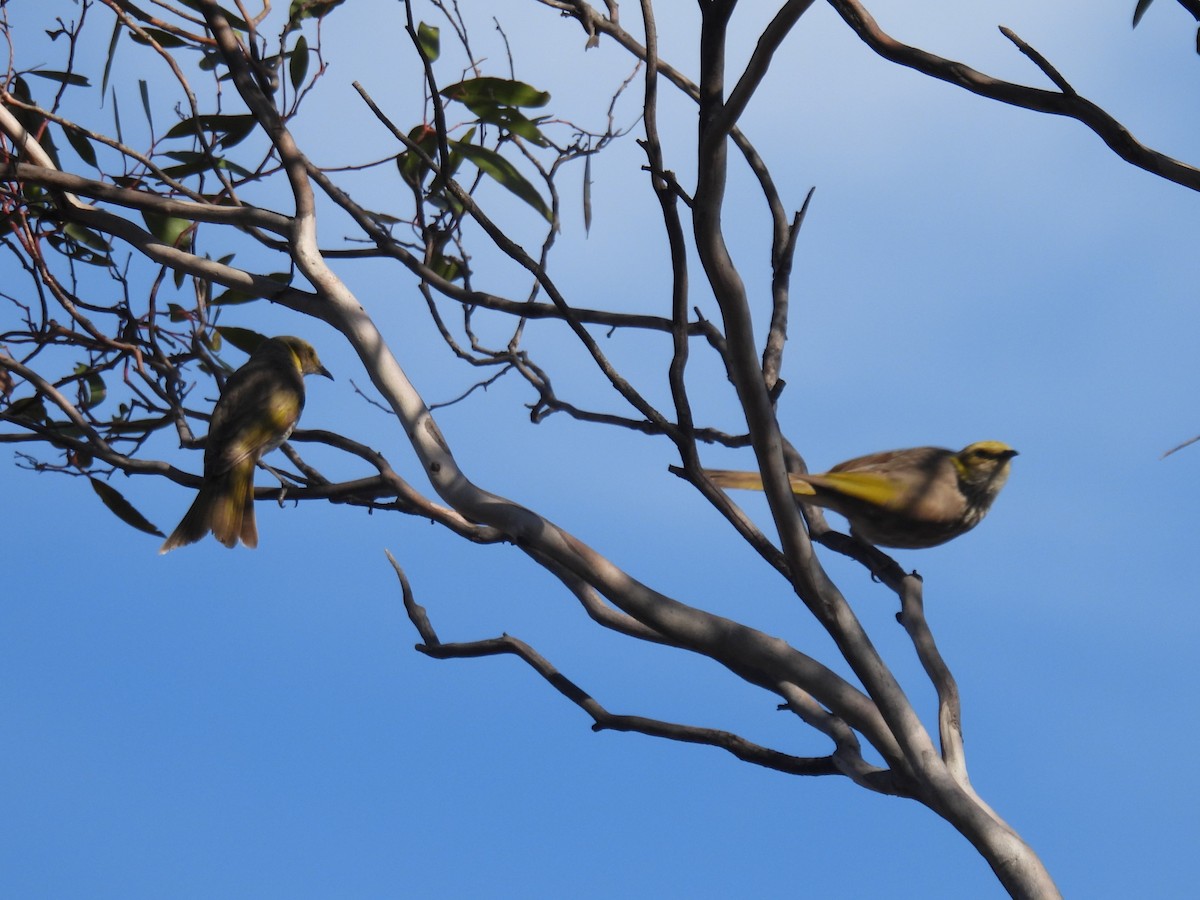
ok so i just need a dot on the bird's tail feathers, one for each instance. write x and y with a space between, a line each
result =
194 525
249 529
752 481
232 509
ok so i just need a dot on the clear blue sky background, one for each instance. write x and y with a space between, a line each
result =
257 724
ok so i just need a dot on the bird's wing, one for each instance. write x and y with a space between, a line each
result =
257 411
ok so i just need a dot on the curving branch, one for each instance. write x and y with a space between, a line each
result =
1065 102
58 223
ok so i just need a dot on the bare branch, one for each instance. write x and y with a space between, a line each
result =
1071 105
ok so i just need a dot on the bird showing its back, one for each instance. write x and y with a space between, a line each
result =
911 499
256 412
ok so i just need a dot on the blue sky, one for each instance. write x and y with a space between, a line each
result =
257 724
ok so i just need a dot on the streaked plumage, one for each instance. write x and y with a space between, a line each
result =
914 498
257 411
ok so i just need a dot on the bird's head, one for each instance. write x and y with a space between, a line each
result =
305 355
983 467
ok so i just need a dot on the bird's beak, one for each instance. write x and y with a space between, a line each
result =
324 371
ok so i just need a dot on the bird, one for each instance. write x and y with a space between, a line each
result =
256 412
910 499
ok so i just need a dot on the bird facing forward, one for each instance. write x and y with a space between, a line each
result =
909 499
257 411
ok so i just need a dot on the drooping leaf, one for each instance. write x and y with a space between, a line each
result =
32 408
309 9
168 229
243 338
515 122
232 128
298 64
77 251
32 120
412 168
1140 10
505 173
61 77
587 193
497 91
96 391
81 145
121 507
192 162
87 237
232 297
117 117
112 54
145 92
236 22
429 37
164 39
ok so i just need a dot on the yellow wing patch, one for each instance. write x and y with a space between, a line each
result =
870 487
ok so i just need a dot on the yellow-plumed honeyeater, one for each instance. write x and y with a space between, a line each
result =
910 499
257 411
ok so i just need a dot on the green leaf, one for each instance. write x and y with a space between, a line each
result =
230 297
145 92
164 39
243 338
82 146
412 168
429 37
505 173
587 194
33 121
87 237
96 391
235 21
193 162
1140 10
168 229
298 64
112 54
32 409
498 91
117 117
121 507
509 119
61 77
77 252
310 9
233 128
